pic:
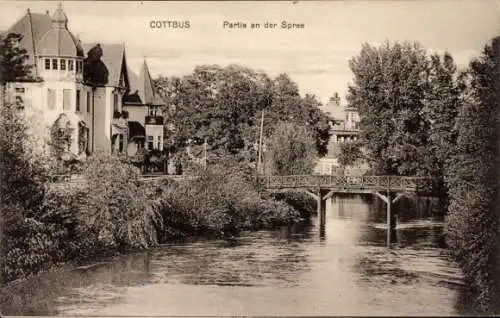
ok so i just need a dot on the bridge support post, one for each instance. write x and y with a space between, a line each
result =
321 210
391 217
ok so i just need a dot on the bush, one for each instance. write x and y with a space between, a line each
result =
116 203
222 202
27 243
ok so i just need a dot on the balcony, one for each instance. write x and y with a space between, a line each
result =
154 120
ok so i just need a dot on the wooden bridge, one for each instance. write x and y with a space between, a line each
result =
388 188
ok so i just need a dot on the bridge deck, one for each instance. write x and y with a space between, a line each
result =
352 184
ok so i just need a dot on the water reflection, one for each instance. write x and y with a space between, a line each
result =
342 269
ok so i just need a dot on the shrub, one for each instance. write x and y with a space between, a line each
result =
222 202
115 202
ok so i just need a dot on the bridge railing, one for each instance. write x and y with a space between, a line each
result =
364 182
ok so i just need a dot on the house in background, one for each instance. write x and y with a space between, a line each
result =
111 129
61 93
344 129
55 94
145 110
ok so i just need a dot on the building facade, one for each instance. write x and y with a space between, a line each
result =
145 109
345 129
62 93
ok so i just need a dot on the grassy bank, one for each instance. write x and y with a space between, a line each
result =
114 211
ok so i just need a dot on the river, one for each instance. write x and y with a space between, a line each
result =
289 271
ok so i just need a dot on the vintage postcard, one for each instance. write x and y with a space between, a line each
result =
254 158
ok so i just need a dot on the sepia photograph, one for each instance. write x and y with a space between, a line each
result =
250 158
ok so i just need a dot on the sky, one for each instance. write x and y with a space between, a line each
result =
316 56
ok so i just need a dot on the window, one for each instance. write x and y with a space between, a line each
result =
152 111
51 98
115 103
89 103
63 64
120 143
77 100
67 96
79 66
159 142
54 64
19 102
150 142
47 64
70 65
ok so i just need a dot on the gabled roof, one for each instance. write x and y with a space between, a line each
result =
32 27
113 56
142 89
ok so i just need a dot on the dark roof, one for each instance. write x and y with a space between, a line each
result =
114 59
32 27
142 89
135 129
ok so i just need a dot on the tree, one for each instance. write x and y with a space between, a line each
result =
95 72
473 220
223 106
350 153
441 107
13 66
291 150
388 90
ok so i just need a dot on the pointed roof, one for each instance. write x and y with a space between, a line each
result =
141 88
146 89
146 92
32 27
113 56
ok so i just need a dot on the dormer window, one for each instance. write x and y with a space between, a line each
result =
47 64
63 64
70 65
54 64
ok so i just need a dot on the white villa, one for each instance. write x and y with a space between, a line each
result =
118 115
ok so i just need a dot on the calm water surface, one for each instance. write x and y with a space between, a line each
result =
291 271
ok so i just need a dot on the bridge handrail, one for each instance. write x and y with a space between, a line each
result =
381 181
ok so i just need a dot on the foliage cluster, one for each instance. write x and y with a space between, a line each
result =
472 177
224 107
222 202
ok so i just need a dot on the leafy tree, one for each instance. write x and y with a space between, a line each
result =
388 90
350 153
443 100
291 150
95 71
223 106
13 66
473 221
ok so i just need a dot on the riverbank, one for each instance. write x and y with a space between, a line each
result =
116 213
